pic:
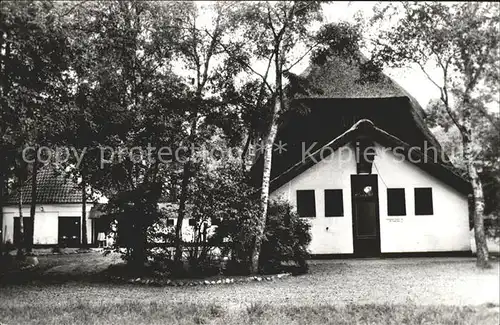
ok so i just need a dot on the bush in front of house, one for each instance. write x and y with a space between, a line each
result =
492 225
284 247
6 259
287 236
6 248
225 199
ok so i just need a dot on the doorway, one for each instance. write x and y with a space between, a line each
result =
69 231
365 215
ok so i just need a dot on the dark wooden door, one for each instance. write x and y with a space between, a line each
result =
69 231
365 215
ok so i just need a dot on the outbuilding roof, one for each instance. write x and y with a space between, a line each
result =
53 186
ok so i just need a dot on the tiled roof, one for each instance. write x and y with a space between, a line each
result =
53 186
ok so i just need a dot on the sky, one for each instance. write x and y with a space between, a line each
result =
412 79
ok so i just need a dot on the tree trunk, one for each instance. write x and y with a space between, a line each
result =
84 212
181 212
20 247
2 187
244 153
268 155
477 191
266 178
186 174
30 236
138 253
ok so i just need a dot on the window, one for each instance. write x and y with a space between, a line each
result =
170 222
306 205
192 222
423 201
334 204
396 202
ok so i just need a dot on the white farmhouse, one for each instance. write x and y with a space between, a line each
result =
402 196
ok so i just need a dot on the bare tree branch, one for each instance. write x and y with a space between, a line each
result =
444 97
70 10
210 52
264 79
301 57
270 20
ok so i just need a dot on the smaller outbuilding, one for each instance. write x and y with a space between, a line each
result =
58 215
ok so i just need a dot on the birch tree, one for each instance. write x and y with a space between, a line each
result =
280 36
456 47
274 30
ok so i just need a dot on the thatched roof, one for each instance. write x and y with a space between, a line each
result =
367 128
342 102
339 78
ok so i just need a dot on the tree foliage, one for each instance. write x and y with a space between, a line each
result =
110 79
33 58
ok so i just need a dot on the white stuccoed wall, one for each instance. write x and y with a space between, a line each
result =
332 235
46 221
446 230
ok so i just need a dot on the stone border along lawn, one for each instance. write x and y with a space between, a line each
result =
192 283
64 251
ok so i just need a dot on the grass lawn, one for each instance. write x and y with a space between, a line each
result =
372 291
137 312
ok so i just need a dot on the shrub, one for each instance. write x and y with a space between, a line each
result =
492 225
57 249
225 211
6 262
134 212
225 199
203 267
284 247
237 267
287 236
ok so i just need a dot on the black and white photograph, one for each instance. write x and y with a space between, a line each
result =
249 162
